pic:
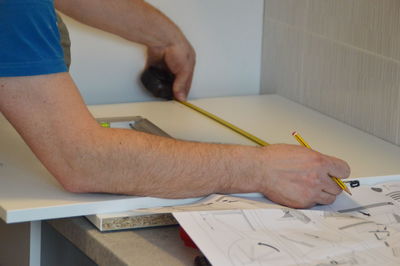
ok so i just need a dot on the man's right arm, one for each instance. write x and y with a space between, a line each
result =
85 157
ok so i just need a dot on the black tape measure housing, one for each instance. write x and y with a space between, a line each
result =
159 82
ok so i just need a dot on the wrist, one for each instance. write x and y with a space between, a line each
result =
244 171
161 32
160 45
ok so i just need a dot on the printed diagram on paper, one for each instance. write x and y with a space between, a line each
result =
216 202
291 237
378 203
359 230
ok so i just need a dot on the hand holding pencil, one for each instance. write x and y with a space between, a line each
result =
305 144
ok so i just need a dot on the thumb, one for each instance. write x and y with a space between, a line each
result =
182 85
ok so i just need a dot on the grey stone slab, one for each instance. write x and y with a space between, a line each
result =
150 246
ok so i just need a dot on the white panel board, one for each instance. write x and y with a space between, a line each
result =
28 192
226 34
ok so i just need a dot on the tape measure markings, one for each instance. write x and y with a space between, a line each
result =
225 123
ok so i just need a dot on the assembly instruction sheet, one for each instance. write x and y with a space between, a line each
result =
360 230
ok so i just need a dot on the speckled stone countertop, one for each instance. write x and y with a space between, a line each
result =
150 246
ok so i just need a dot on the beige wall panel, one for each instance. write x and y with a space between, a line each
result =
355 87
292 12
283 55
373 25
345 54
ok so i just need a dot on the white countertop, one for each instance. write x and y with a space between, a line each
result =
28 192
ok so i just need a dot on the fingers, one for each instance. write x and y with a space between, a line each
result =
338 168
182 84
333 167
329 185
333 189
330 189
180 59
183 70
325 193
326 198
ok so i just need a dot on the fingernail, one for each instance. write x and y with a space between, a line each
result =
181 96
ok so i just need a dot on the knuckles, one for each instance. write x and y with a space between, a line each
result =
318 159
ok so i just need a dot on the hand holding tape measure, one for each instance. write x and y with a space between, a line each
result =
159 81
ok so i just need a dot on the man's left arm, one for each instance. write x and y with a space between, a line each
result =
137 21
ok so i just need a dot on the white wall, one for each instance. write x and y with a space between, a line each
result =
227 36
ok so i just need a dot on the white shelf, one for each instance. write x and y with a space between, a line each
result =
29 193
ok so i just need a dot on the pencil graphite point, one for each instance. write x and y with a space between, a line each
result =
348 191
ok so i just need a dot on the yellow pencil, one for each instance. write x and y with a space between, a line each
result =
337 180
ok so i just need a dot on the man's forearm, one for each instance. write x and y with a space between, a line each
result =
140 164
134 20
85 157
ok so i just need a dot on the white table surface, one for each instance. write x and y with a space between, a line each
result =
29 193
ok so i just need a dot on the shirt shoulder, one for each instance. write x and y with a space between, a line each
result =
29 38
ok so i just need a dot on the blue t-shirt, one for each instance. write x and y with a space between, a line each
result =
29 39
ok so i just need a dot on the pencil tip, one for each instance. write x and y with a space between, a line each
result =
294 133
